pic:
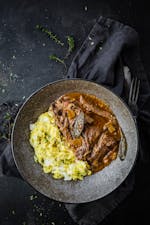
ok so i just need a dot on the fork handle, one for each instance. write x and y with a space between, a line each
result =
134 110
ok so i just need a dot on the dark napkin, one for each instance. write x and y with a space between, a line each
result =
109 47
8 112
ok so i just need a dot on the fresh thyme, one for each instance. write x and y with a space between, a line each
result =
50 34
71 44
57 59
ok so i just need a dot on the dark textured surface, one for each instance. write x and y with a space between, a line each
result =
103 182
24 67
24 63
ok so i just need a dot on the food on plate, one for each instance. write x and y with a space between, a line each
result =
78 136
53 152
89 126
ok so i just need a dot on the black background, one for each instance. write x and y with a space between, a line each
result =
25 67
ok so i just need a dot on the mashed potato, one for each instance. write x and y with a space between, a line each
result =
53 152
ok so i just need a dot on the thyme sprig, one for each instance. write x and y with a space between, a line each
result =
71 44
57 59
50 34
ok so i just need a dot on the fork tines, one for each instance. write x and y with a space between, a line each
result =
134 91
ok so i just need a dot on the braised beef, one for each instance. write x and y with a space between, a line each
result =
89 126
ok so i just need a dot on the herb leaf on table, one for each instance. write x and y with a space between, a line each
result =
70 42
50 34
71 45
57 59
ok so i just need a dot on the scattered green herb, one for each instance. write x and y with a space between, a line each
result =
71 46
56 59
32 197
7 116
6 126
71 43
50 34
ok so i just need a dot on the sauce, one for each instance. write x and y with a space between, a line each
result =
99 136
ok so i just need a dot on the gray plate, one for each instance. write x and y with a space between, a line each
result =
92 187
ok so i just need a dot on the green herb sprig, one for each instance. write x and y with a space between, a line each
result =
50 34
71 45
70 42
57 59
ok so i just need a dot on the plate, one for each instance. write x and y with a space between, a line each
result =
91 187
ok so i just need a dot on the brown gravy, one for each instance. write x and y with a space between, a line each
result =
97 139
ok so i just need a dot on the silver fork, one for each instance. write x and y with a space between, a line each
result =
132 102
133 96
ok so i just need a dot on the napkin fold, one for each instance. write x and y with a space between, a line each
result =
108 56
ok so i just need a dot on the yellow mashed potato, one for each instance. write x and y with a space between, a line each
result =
53 152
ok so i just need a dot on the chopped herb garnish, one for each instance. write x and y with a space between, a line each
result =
56 59
50 34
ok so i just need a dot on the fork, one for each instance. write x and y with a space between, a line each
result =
133 96
132 102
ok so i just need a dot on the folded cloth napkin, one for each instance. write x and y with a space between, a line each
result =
104 57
